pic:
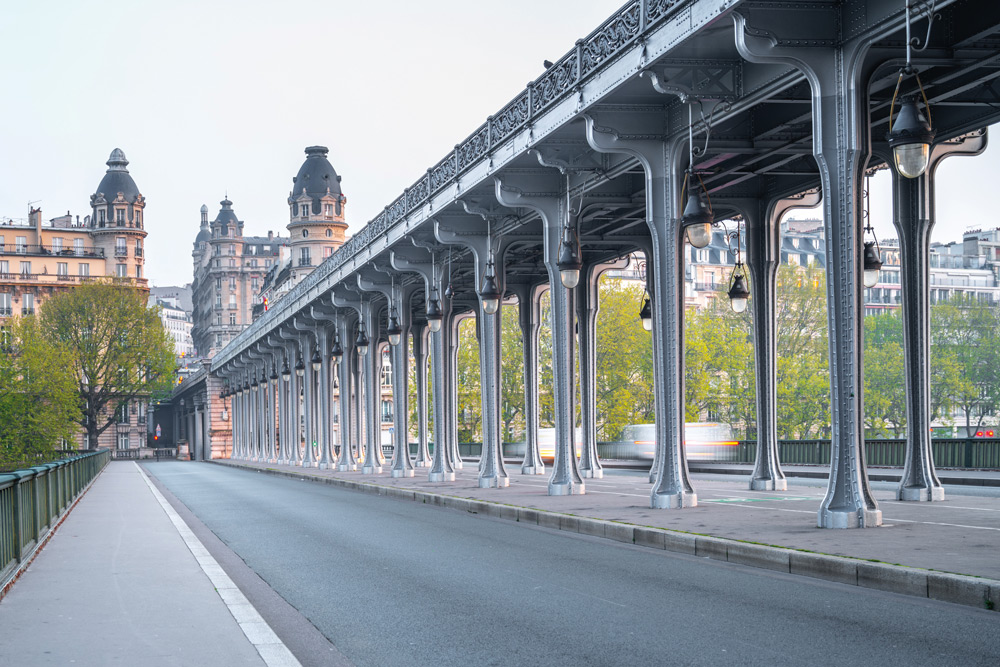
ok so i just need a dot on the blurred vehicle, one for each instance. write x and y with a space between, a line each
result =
547 442
703 441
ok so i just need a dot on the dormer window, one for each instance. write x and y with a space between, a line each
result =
101 216
304 211
120 215
328 209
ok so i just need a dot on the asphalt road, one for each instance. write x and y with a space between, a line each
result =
399 583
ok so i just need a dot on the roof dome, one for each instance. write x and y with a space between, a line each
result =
226 214
117 179
316 177
204 209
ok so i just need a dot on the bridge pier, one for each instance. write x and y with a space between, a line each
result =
530 320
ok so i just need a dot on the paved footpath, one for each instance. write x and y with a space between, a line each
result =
125 582
775 530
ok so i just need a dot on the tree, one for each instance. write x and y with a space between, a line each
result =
118 349
511 376
885 388
39 407
966 336
470 407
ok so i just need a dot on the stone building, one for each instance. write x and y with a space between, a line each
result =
317 225
229 271
39 258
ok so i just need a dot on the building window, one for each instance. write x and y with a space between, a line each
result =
218 301
218 320
138 247
57 244
232 264
218 283
304 258
22 244
305 233
4 267
121 270
121 249
5 310
232 319
25 268
327 251
328 209
232 282
138 218
232 300
101 216
267 263
84 269
28 304
62 268
254 284
123 441
386 411
78 246
218 339
138 271
304 210
232 248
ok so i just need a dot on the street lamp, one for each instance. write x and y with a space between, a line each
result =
646 314
393 330
300 367
336 352
274 375
434 314
569 263
490 293
910 137
871 253
317 361
738 292
362 342
285 372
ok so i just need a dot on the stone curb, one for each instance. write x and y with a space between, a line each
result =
946 587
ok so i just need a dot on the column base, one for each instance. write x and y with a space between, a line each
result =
371 470
920 493
768 484
403 473
441 477
533 470
421 464
672 501
324 466
570 489
347 467
458 464
849 519
495 482
592 474
308 464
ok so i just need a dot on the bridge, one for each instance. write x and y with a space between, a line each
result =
669 117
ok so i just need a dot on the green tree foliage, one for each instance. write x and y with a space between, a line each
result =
624 360
885 386
965 334
118 349
470 407
39 404
511 376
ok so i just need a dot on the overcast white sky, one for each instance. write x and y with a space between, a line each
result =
209 96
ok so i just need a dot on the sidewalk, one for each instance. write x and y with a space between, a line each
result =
776 530
118 584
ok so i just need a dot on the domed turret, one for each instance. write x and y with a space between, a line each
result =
204 234
317 179
117 179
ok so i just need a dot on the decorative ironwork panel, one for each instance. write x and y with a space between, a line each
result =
510 118
610 38
443 172
473 149
560 78
656 9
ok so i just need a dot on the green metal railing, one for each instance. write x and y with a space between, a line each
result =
32 501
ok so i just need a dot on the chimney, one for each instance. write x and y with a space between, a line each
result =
270 235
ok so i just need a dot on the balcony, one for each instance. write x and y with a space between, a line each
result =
305 261
48 250
27 311
6 312
707 287
138 252
121 252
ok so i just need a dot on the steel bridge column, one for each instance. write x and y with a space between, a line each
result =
371 364
401 464
565 479
306 341
442 469
420 343
346 461
530 320
914 218
324 393
452 322
838 81
763 247
661 164
587 306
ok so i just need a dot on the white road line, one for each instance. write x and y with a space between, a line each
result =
272 650
910 503
937 523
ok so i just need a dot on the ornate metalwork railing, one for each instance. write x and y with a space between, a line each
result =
34 499
559 82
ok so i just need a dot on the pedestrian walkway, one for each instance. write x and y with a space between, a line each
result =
125 582
959 535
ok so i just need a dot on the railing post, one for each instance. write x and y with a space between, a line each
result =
968 452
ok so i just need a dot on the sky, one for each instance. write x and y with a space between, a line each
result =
209 98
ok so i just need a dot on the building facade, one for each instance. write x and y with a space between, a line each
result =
39 258
317 226
229 271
